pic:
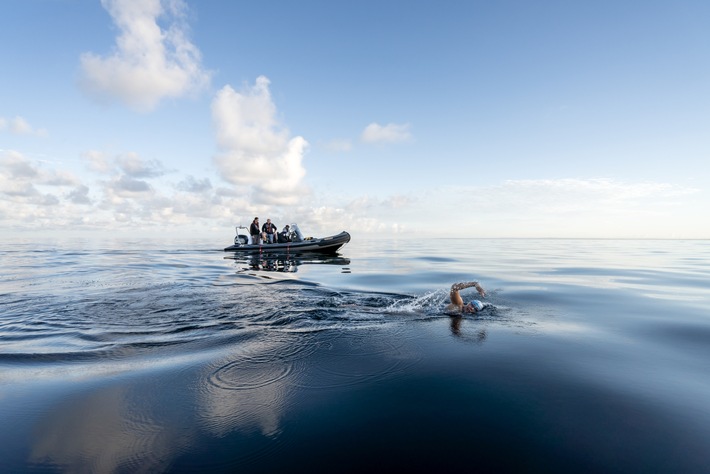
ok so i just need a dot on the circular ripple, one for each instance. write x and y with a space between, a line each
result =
261 361
245 375
280 347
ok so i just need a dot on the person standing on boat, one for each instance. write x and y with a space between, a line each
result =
269 230
457 304
255 232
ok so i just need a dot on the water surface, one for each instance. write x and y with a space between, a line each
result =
139 355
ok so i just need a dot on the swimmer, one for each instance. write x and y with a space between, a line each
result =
457 305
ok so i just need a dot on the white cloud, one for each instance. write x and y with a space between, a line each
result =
255 149
36 196
148 63
137 167
359 215
18 189
24 183
20 126
14 165
127 186
131 164
192 185
98 162
390 133
329 220
79 195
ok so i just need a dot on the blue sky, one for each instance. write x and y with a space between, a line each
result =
454 118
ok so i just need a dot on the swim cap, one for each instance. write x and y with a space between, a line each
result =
477 304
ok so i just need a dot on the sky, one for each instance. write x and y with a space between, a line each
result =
503 119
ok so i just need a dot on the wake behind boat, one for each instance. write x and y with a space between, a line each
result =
294 242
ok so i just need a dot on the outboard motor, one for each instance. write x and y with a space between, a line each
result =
241 239
298 235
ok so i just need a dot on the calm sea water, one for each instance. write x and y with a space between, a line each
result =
147 356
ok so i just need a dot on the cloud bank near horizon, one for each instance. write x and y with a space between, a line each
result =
577 208
129 193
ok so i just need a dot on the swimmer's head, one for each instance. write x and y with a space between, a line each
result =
473 307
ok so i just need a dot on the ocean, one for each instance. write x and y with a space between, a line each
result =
136 355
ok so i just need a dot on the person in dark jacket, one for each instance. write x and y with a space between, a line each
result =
255 232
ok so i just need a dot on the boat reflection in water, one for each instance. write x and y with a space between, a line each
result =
287 263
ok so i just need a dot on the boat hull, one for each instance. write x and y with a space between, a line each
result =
330 244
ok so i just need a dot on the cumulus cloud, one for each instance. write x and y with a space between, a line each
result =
394 214
130 192
390 133
130 164
79 195
137 167
125 185
20 126
128 195
98 162
148 63
22 189
192 185
255 149
26 182
360 216
15 165
20 169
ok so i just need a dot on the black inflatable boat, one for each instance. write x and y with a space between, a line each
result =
296 244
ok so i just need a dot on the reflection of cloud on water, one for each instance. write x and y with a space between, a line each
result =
143 425
248 390
257 409
147 422
106 431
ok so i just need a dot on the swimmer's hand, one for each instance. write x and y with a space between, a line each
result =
480 290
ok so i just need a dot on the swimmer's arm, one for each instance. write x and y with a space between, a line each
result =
456 287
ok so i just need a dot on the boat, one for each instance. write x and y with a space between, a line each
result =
295 243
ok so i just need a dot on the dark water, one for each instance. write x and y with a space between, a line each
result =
139 356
